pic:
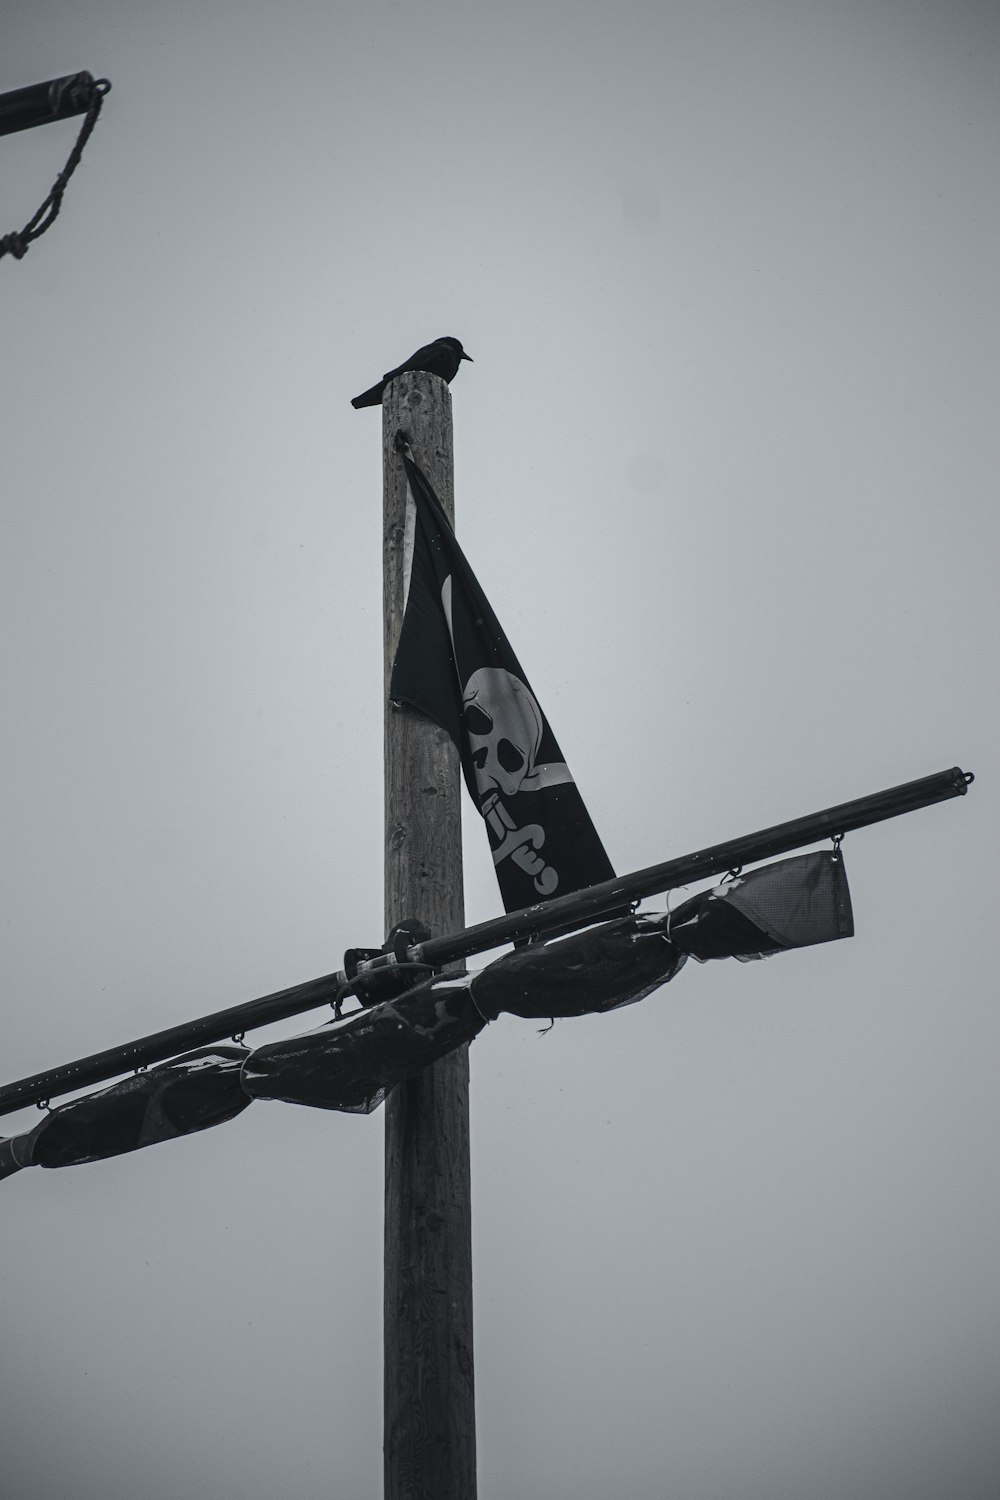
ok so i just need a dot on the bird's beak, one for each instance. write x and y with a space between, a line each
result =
469 358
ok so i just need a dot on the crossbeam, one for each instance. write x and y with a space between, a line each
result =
41 103
562 913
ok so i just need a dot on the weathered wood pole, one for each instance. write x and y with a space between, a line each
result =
429 1415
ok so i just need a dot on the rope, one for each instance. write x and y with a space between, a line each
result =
17 242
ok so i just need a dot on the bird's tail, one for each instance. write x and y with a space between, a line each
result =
371 397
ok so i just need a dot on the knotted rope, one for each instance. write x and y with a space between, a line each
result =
17 242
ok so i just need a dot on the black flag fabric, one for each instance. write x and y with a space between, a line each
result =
455 664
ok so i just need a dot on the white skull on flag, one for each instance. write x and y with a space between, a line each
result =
504 726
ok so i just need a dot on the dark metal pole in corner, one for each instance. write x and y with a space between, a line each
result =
429 1414
41 103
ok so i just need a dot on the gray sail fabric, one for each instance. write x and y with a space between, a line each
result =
352 1063
792 903
595 970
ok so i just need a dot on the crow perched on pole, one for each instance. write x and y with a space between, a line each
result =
443 358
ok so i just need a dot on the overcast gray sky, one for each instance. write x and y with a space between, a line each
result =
725 464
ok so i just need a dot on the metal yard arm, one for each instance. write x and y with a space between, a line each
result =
580 907
560 914
41 103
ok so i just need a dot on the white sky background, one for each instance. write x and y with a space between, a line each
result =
726 466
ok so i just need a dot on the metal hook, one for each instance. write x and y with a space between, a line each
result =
337 1003
838 839
43 1104
238 1040
670 915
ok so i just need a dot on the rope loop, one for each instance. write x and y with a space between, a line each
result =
17 243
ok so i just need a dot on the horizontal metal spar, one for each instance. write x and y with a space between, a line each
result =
55 99
562 913
161 1045
587 905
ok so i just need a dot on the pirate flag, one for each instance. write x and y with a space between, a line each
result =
455 664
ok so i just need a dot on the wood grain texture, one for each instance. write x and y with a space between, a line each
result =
429 1419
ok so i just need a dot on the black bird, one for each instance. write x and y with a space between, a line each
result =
443 358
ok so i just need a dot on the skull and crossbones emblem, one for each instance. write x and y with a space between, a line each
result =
504 726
